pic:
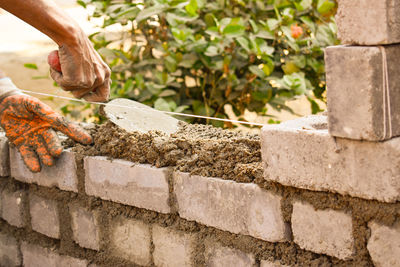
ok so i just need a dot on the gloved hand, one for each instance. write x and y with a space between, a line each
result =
29 124
82 72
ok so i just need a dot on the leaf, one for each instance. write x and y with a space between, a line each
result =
150 11
272 24
234 30
212 51
325 6
243 43
257 71
315 108
303 5
129 13
162 104
192 7
31 66
167 92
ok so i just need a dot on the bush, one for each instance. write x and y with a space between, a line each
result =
196 56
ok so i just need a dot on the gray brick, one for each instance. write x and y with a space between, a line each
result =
9 251
302 154
12 209
368 22
235 207
219 256
357 108
44 216
384 244
139 185
323 231
61 175
4 156
85 227
172 248
266 263
131 240
36 256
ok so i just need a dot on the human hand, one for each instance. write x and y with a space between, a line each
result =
78 68
29 124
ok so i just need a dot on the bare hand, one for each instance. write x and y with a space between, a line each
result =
83 72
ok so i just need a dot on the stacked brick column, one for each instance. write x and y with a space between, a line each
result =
355 151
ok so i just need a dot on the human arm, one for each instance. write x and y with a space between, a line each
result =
83 73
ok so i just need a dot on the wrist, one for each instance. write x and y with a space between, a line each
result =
70 35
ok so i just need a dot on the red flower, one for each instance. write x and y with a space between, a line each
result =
297 31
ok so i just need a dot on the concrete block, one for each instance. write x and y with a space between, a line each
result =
323 231
85 227
139 185
384 244
302 154
235 207
44 216
4 156
61 175
172 248
368 22
131 240
9 251
12 209
219 256
359 106
36 256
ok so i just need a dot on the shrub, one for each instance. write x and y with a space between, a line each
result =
196 56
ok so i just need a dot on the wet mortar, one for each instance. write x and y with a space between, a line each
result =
206 151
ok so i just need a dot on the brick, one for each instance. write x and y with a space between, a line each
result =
235 207
9 251
218 256
36 256
172 248
131 240
139 185
61 175
265 263
12 209
302 154
323 231
85 227
368 22
4 156
357 108
384 244
44 216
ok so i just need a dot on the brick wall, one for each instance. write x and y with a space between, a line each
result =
130 214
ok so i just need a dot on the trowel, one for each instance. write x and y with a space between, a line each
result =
134 116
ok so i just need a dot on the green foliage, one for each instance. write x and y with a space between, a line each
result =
196 56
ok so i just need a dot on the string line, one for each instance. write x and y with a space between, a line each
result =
387 116
129 107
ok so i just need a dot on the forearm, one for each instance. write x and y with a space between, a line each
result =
45 16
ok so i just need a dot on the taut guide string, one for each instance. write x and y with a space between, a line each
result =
387 118
128 107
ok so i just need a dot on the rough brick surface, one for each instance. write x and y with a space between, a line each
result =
44 216
9 251
384 245
138 185
357 108
323 231
12 209
131 240
85 227
4 156
368 22
172 248
235 207
217 256
62 175
36 256
301 153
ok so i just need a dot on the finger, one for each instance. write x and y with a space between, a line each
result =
81 92
58 77
72 130
30 158
42 152
52 142
101 94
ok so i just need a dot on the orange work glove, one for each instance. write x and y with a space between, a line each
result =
29 124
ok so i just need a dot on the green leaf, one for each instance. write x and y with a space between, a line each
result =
325 6
257 71
166 93
31 66
272 24
162 104
192 7
234 30
150 11
303 5
243 43
315 108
